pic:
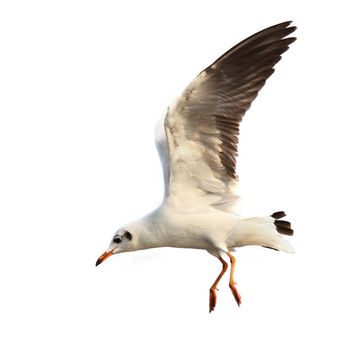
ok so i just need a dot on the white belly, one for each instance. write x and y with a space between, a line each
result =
195 230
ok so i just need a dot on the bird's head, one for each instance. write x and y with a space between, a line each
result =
122 241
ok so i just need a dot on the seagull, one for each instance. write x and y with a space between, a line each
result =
197 144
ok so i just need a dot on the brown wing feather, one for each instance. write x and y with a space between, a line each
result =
202 127
215 102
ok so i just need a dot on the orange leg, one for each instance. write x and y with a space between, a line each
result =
212 291
232 282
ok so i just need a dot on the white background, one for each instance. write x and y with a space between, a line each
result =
82 86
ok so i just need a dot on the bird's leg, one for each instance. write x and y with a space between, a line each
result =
212 291
232 282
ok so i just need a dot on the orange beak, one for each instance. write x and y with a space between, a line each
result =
103 257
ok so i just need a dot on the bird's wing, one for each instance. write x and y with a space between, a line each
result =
202 126
163 151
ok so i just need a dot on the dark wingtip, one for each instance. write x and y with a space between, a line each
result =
290 40
284 230
282 223
282 226
278 215
281 26
285 24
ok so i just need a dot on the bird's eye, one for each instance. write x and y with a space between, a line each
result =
117 239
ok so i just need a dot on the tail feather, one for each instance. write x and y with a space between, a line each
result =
266 231
265 246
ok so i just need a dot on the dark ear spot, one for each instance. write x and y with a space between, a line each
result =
128 235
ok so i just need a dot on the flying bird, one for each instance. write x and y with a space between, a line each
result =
197 143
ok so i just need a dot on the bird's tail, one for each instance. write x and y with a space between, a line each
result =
266 231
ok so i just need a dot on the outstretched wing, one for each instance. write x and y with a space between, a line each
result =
202 126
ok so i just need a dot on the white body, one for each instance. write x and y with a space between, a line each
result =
215 231
197 144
